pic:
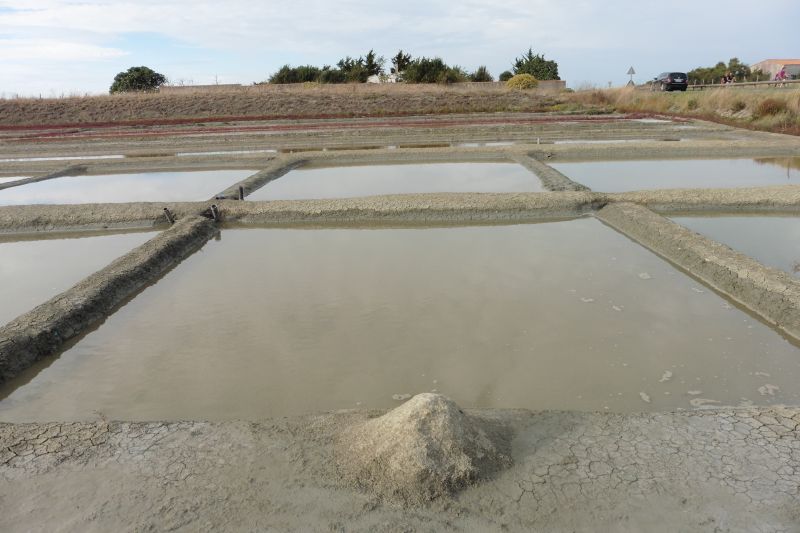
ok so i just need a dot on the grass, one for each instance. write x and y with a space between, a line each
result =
773 110
271 101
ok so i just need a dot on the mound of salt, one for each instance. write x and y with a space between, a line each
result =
426 448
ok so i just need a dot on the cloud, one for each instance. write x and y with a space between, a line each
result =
592 40
54 50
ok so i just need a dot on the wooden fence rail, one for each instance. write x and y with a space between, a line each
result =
766 84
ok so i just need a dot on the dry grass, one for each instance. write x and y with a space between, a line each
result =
765 109
310 100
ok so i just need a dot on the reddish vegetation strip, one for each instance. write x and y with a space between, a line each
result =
52 132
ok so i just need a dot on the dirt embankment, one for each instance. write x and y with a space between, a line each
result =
291 103
772 110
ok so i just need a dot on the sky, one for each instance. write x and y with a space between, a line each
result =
64 47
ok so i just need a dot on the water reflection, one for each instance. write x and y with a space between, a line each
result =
152 187
791 164
33 271
774 241
272 322
619 176
352 181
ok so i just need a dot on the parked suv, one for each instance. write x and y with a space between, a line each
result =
670 81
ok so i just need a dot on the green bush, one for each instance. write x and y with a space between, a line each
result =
505 75
536 65
481 75
522 82
289 74
453 75
426 70
137 79
770 106
329 75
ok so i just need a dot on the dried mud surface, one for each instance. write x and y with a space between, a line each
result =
715 470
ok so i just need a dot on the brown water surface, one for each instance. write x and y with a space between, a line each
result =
774 241
346 182
34 270
114 188
620 176
273 322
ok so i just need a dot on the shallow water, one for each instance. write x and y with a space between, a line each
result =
774 241
619 176
33 271
272 322
112 188
345 182
60 158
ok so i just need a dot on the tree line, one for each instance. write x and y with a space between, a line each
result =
740 72
411 70
357 70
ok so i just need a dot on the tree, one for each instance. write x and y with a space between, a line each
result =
373 63
505 75
481 74
426 70
137 79
355 70
536 65
713 74
400 62
301 74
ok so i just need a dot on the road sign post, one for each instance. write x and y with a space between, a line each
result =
631 72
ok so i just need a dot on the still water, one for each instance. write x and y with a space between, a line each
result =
346 182
33 271
114 188
273 322
620 176
774 241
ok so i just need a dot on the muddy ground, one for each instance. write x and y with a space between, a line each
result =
710 470
721 470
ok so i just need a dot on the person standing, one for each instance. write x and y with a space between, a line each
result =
781 76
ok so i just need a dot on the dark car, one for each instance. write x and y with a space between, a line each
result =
670 81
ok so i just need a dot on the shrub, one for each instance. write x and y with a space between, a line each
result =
425 70
332 76
523 82
288 74
537 66
770 106
692 104
137 79
481 74
505 75
738 105
453 75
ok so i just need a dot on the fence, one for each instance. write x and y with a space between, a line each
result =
765 84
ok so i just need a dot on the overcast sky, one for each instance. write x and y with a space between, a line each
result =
54 47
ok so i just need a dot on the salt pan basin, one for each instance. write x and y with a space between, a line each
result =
620 176
774 241
34 270
346 182
115 188
273 322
